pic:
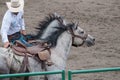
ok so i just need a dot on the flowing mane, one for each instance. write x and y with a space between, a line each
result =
53 22
45 23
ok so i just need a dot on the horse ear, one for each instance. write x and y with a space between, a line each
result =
58 17
56 14
61 20
71 22
64 22
77 23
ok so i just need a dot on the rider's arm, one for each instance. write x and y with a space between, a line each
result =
23 25
5 27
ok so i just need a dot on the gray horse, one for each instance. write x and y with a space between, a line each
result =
60 35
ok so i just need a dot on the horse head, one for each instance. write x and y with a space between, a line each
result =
79 36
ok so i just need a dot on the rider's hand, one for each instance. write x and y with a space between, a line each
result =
6 44
23 32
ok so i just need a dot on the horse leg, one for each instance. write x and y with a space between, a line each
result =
4 69
35 66
55 76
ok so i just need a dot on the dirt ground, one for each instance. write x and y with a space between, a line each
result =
100 18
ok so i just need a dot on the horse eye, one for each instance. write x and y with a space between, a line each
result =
76 27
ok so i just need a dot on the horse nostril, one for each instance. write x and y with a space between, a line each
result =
81 32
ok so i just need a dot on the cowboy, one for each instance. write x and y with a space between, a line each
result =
13 26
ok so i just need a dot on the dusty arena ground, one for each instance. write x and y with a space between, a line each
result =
100 18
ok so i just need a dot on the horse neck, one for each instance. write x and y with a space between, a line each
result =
63 45
49 29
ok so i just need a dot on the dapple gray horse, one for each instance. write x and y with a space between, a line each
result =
60 35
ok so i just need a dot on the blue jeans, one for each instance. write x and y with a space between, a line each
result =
20 37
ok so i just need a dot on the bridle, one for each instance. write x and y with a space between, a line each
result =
70 29
77 36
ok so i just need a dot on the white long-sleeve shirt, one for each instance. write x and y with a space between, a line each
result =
11 24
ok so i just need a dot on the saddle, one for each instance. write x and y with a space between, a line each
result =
42 50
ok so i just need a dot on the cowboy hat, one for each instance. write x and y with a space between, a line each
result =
15 5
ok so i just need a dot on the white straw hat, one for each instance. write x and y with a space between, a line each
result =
15 5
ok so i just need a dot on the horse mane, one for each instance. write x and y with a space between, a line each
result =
44 24
52 39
